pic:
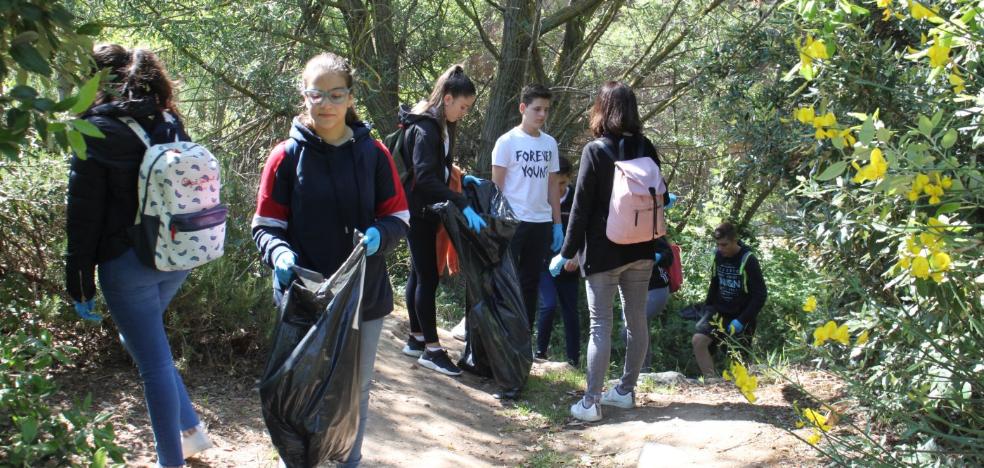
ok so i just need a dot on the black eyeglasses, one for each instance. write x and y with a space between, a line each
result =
334 95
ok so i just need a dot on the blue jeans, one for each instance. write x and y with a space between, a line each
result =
561 290
137 296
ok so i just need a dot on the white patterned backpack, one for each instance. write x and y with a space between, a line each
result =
180 221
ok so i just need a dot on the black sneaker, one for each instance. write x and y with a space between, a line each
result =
438 361
414 347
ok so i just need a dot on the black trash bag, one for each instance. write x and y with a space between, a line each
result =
310 389
498 343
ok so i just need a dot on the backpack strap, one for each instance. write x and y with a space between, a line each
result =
741 270
601 143
137 129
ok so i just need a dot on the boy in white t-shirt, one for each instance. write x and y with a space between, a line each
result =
525 161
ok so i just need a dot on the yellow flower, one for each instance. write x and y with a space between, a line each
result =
814 438
826 120
937 277
957 82
920 182
841 335
911 246
887 14
848 137
823 333
804 114
913 196
811 304
875 170
946 182
814 49
920 12
862 338
884 3
940 261
726 376
904 263
934 200
817 420
747 384
920 267
939 54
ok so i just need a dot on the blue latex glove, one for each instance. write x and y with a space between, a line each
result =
556 264
735 327
475 222
657 257
371 240
470 179
282 266
84 310
558 237
673 199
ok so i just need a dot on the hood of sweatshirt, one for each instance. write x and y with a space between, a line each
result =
304 135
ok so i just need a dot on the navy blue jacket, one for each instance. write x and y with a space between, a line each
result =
313 196
102 188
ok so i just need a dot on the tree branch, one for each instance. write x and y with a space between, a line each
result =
659 34
473 16
566 14
658 58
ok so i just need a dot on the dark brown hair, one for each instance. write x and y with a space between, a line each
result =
323 63
725 231
535 91
615 111
453 81
566 169
135 74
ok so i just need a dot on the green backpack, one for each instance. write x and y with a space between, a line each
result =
396 144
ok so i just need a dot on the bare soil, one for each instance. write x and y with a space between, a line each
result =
419 416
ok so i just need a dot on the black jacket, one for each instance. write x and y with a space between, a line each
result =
566 203
425 142
736 292
589 215
314 195
661 269
102 188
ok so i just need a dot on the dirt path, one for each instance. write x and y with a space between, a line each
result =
419 416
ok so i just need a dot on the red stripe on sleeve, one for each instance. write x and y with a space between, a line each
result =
266 206
398 202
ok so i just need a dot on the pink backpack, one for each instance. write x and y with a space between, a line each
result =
635 211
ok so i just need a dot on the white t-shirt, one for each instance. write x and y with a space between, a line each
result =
528 161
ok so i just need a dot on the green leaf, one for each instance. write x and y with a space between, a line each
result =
10 150
86 128
883 134
949 139
89 29
44 104
65 104
28 427
77 143
29 59
834 170
87 94
948 208
925 125
26 37
23 93
99 458
867 132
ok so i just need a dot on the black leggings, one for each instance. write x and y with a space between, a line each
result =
423 280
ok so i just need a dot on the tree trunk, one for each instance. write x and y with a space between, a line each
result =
375 56
503 108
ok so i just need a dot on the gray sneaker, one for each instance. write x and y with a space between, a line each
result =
438 361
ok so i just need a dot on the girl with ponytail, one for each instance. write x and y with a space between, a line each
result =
329 179
102 206
430 137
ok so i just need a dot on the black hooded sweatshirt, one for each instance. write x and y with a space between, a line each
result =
314 195
431 166
102 188
734 293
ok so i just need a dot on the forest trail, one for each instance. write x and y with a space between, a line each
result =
420 417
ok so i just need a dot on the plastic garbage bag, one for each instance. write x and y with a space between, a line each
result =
310 389
498 343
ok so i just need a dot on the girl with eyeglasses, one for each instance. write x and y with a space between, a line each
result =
329 179
430 138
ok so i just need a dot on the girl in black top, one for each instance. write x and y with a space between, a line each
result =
430 128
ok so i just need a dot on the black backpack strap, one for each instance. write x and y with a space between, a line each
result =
603 144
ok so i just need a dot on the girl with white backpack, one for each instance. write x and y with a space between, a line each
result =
103 204
616 217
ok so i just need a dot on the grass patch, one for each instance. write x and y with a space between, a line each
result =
547 458
547 398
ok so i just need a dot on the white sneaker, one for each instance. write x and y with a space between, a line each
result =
459 332
613 398
586 414
195 442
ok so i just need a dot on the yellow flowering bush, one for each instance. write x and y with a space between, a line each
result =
745 382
